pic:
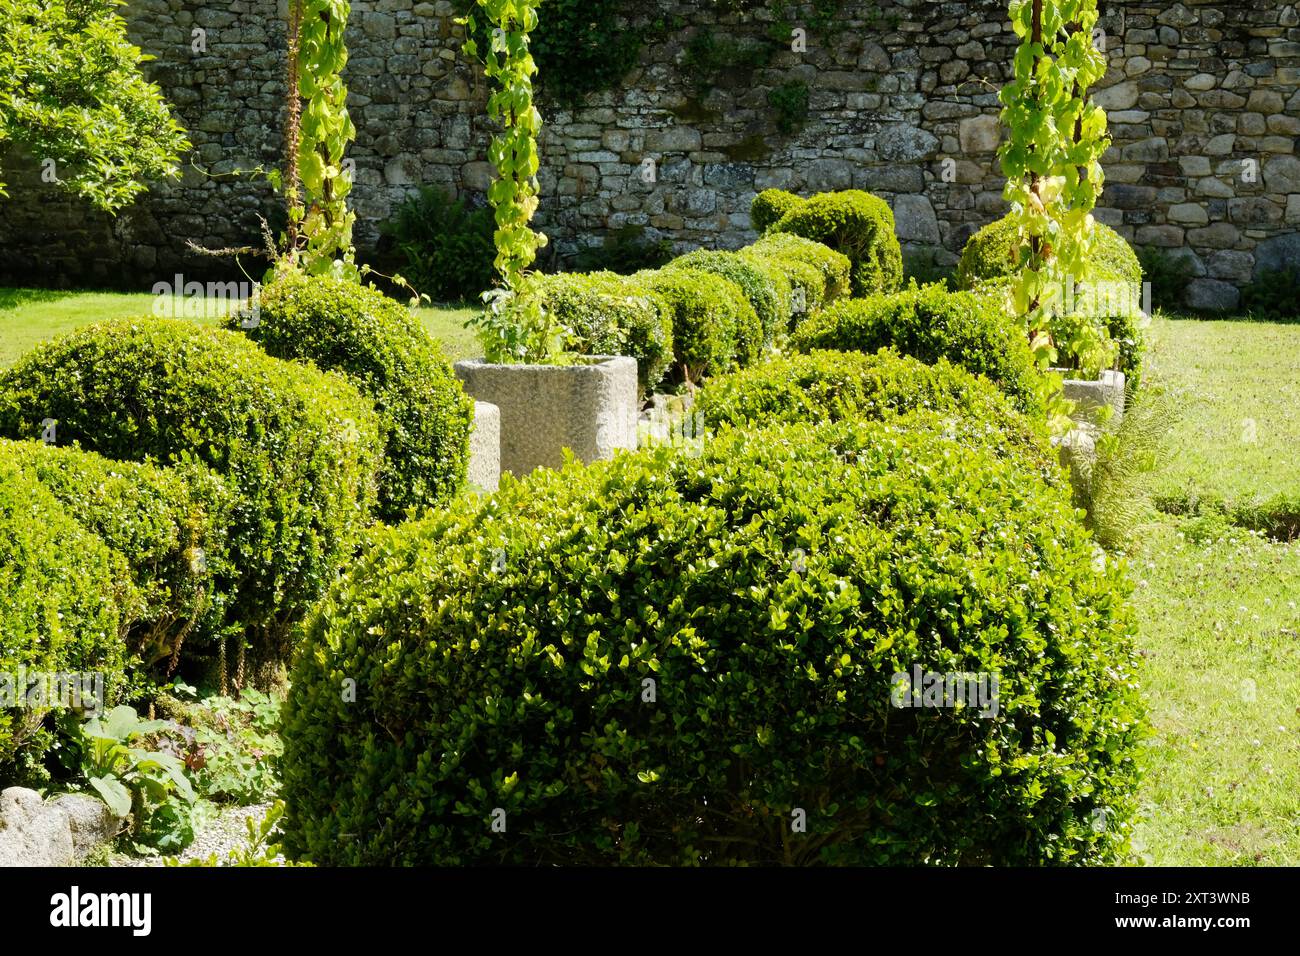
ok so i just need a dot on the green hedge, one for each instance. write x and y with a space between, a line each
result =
609 314
770 299
770 588
988 262
731 298
424 414
299 448
857 224
806 281
991 254
62 592
835 267
835 386
169 525
705 318
769 206
930 323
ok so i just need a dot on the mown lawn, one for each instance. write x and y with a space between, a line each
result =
1235 450
1218 604
29 316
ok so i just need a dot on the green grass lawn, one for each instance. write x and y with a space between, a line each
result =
1221 641
1220 629
29 316
1235 449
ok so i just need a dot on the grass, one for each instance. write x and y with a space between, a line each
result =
1221 640
1235 450
30 316
1220 630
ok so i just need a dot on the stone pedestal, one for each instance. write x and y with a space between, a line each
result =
589 407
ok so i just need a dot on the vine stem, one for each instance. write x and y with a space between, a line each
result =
1035 184
292 123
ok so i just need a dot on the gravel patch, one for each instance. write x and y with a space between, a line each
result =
223 834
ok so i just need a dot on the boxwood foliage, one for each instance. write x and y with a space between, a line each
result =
834 266
705 318
807 283
730 298
992 253
375 341
298 448
835 386
62 592
661 659
769 206
769 298
169 525
857 224
609 314
930 323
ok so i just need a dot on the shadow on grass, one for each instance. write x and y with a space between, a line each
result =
16 298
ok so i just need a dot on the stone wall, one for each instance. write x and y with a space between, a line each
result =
1204 100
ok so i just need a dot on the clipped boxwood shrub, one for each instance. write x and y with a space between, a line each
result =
299 448
769 206
834 386
731 298
694 648
169 525
763 292
778 279
610 314
704 318
807 283
930 323
834 266
857 224
375 341
992 254
62 592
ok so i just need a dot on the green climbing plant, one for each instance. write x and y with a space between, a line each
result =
317 180
514 327
1052 162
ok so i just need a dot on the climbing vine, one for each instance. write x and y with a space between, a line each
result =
515 327
1052 161
317 181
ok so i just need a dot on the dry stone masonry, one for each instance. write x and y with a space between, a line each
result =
1204 100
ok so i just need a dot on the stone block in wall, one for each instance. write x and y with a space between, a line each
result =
915 220
980 134
1212 295
1279 252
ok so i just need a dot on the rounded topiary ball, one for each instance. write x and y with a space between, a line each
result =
857 224
298 448
380 345
664 658
837 386
929 323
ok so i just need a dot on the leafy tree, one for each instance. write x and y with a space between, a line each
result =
71 91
